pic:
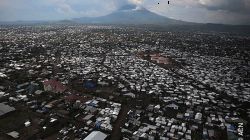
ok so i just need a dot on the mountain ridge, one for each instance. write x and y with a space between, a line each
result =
132 14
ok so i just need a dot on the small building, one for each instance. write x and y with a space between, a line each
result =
38 92
96 135
173 106
4 109
90 109
54 86
88 117
13 134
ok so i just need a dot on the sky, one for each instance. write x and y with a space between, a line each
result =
202 11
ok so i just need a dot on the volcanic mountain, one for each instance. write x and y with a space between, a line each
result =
136 15
131 14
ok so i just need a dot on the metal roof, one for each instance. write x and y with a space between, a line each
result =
5 109
96 135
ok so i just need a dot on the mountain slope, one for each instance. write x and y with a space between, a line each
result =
131 14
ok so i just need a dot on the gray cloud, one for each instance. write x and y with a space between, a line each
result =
216 11
238 6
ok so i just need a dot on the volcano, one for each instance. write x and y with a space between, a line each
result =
131 14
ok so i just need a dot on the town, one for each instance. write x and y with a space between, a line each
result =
96 82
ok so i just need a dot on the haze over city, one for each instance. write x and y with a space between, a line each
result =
202 11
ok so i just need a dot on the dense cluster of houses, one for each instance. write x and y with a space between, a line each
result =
76 81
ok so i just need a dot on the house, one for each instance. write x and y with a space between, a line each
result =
150 107
88 117
22 97
13 99
27 123
157 107
198 116
3 94
2 75
54 86
4 109
90 109
173 106
38 92
96 135
22 85
132 95
13 134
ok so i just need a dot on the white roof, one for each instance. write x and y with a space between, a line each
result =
13 134
96 135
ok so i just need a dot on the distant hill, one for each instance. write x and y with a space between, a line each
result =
21 22
131 14
35 22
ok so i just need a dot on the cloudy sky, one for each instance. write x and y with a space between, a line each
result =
205 11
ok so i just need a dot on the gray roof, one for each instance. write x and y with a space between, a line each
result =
5 109
88 117
90 109
13 134
96 135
